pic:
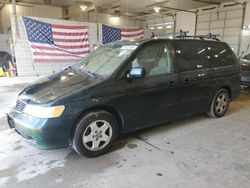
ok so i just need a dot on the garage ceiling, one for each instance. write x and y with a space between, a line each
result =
128 7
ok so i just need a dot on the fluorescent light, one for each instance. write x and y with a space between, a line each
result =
114 16
114 19
151 28
169 26
157 9
83 7
159 27
158 24
245 27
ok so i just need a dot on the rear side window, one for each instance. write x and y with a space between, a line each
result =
220 54
191 55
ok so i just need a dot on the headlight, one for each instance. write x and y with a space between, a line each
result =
43 112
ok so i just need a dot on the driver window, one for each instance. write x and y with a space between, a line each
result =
156 59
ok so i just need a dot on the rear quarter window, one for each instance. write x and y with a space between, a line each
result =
191 55
220 54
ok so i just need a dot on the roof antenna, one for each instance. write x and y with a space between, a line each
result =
182 34
213 36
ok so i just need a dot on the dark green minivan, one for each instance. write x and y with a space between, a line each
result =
123 87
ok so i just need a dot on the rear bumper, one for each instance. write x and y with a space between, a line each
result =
42 133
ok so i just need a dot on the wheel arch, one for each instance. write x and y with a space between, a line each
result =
229 91
110 109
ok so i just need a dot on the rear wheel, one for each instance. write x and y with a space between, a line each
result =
95 134
219 104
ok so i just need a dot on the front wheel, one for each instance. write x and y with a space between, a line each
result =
220 104
95 134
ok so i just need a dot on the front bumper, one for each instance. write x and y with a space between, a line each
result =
43 133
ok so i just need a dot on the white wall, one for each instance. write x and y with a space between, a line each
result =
247 16
5 20
121 22
245 39
5 43
161 27
24 62
186 21
31 10
223 21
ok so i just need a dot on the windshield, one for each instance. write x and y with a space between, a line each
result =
247 57
106 59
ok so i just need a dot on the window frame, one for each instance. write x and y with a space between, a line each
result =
214 64
178 65
145 45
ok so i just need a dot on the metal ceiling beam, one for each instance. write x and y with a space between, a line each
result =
107 4
153 14
178 9
29 4
236 2
207 2
4 3
159 3
47 2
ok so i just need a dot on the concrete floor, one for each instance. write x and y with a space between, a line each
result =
195 152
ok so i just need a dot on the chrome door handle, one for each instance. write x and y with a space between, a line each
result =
201 75
171 83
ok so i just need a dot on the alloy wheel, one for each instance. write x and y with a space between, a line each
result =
97 135
221 103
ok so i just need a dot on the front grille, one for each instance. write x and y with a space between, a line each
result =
20 106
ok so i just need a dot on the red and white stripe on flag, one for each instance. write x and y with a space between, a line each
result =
56 43
132 33
71 43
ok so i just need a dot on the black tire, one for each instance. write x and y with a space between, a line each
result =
84 148
218 109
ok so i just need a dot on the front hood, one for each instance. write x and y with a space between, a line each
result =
56 86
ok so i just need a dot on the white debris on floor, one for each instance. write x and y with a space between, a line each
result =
24 160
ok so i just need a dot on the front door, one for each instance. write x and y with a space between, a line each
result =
153 100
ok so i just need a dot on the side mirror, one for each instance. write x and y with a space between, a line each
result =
136 73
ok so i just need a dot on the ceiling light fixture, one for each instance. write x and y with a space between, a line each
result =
83 7
114 16
157 9
114 19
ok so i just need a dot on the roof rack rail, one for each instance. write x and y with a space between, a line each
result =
210 36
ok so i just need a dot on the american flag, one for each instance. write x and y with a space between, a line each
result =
56 43
110 34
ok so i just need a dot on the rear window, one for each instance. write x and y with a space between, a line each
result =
220 54
191 55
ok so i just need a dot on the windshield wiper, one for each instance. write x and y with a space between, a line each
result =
88 73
